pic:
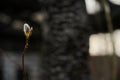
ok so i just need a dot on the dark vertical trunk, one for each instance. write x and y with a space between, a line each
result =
66 43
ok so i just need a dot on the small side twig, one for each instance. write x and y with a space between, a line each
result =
8 56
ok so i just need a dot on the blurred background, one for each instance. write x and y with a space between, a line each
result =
70 39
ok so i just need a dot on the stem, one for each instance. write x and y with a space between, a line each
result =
110 29
23 57
23 66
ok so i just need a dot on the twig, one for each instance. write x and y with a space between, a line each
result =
110 29
23 55
28 32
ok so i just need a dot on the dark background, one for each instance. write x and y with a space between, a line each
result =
61 39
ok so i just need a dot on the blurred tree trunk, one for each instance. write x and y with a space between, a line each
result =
66 42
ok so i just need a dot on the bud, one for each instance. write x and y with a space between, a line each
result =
27 30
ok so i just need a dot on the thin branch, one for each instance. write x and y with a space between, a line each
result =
110 29
23 55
